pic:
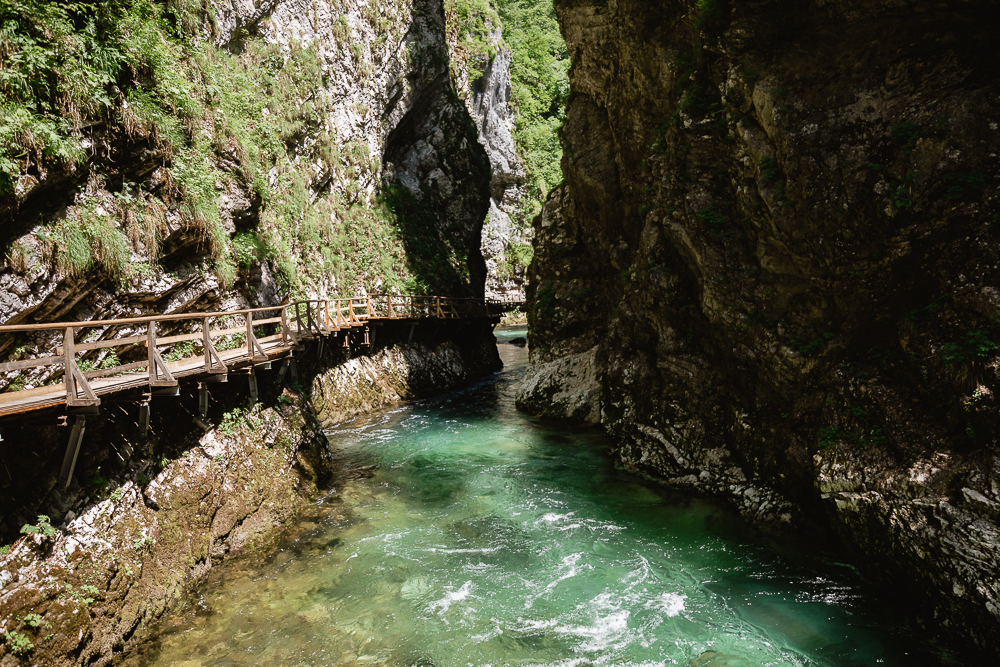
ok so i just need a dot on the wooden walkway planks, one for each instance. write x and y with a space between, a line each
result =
294 322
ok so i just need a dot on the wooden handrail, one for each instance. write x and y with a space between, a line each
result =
145 319
307 318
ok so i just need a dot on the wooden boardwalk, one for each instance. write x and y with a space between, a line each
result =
230 341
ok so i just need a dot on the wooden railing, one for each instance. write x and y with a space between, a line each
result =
91 364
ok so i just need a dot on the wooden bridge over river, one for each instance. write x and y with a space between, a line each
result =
89 366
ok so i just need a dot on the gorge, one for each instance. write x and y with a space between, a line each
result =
766 272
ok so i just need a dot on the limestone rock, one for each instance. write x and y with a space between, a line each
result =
778 231
566 387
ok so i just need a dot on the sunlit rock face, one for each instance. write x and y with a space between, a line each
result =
778 233
388 113
489 104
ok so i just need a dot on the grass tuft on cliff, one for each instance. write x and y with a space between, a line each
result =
76 78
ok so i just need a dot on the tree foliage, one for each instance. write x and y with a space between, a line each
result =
539 88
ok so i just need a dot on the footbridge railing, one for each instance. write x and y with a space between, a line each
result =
96 357
153 353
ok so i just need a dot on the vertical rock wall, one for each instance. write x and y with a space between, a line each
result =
489 104
771 272
484 80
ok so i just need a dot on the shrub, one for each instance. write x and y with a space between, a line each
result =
521 254
971 347
43 528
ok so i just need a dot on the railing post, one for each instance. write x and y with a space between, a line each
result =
369 300
250 336
156 363
207 344
69 355
151 351
284 325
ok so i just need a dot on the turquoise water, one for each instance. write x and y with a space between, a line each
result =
485 537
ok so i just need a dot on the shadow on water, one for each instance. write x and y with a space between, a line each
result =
486 537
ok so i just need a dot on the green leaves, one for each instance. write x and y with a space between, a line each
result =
59 61
973 346
43 528
539 88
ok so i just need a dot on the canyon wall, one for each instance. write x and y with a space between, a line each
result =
202 156
771 272
481 71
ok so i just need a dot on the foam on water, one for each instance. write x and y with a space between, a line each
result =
490 538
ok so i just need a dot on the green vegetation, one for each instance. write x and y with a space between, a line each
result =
473 20
179 351
43 528
518 258
32 620
143 542
709 13
86 594
960 185
904 136
712 218
233 421
865 431
545 305
539 88
436 259
807 348
973 346
18 643
769 169
214 120
97 482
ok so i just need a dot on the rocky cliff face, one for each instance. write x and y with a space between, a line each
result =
489 104
483 76
312 148
771 273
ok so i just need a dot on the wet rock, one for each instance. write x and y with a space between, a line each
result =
567 387
366 384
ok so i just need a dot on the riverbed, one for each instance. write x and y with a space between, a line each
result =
467 533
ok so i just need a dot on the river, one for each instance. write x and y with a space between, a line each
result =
483 536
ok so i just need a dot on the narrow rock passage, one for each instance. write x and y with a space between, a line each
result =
485 537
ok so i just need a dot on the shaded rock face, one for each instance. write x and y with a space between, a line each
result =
367 384
778 236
